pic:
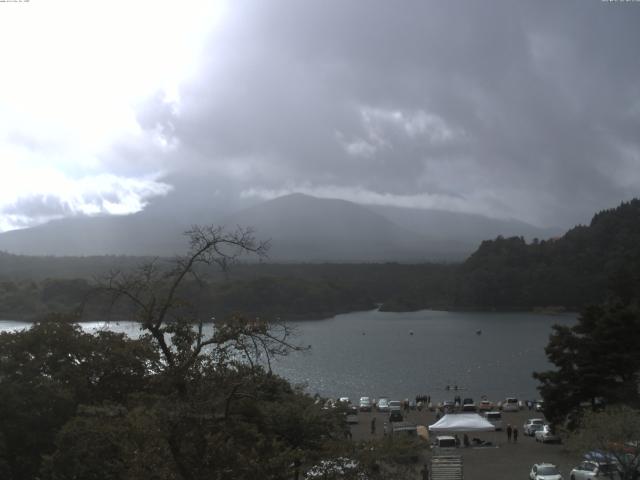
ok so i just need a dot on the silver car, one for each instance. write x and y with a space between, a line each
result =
545 471
365 404
383 404
546 435
589 470
495 418
532 425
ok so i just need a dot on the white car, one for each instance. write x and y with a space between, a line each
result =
383 404
511 404
365 404
589 470
544 471
532 425
546 435
445 442
495 418
345 402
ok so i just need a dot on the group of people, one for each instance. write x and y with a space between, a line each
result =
512 432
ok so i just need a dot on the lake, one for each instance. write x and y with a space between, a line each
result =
373 353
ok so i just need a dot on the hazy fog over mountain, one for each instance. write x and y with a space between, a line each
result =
299 227
461 111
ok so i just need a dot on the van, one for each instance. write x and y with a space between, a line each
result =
495 418
510 404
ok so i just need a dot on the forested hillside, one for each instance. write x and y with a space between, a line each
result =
506 273
572 271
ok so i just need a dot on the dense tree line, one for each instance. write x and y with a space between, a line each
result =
593 393
568 273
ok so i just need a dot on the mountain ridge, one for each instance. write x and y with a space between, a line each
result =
301 227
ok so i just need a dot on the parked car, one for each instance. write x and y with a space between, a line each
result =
330 403
365 404
510 404
395 415
468 405
534 428
383 404
539 405
346 402
547 435
395 404
495 418
589 470
445 442
352 417
544 471
404 428
448 406
485 406
531 426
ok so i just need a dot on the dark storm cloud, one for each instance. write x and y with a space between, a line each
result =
517 109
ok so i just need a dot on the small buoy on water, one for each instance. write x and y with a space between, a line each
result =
478 332
410 332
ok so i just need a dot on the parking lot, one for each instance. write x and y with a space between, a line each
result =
506 460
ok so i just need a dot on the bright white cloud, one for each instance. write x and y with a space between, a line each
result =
74 73
36 194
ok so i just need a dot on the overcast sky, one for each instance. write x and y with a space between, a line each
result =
528 110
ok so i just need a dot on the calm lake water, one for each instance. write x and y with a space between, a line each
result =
373 353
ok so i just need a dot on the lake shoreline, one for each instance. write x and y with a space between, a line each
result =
554 311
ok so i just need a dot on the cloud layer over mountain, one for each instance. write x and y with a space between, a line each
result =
528 110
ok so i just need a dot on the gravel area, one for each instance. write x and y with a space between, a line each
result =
507 460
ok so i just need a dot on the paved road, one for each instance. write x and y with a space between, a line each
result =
508 461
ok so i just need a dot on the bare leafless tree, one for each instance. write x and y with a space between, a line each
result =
153 290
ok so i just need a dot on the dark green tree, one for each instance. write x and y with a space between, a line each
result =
46 372
597 362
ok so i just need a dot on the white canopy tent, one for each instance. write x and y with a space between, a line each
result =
462 422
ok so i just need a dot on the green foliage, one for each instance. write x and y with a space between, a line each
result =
613 432
48 371
175 404
597 361
100 406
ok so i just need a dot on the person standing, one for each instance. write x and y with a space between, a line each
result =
509 431
425 472
515 434
373 426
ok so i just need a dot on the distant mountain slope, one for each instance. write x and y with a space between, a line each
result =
137 234
305 228
301 228
467 229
